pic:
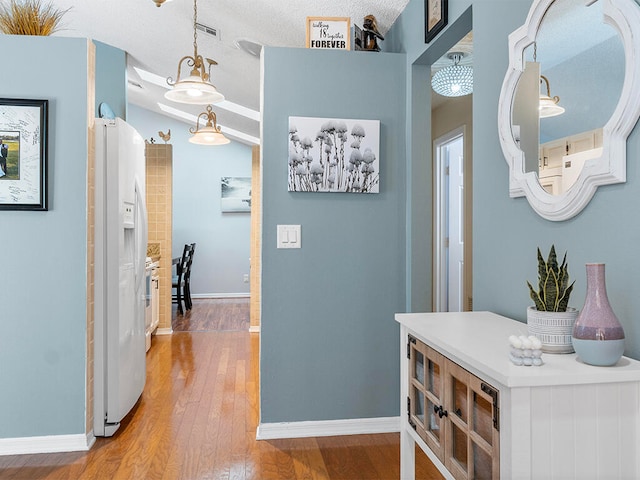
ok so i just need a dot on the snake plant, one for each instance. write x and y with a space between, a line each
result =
553 283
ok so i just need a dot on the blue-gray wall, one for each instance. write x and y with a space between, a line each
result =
507 231
313 366
222 239
111 79
43 307
329 343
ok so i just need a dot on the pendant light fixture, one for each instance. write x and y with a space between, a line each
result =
210 134
454 80
196 88
549 105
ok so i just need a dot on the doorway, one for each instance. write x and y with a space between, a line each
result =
450 225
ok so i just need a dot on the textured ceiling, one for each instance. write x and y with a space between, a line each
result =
156 38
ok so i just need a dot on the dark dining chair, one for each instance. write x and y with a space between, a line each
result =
181 282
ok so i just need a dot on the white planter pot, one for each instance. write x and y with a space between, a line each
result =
554 329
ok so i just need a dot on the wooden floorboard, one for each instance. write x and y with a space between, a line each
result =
219 314
197 420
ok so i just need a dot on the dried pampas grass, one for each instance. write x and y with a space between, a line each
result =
29 17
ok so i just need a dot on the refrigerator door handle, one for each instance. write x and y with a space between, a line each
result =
141 238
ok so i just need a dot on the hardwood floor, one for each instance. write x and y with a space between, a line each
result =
213 314
197 419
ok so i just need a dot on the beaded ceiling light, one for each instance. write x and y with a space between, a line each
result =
454 80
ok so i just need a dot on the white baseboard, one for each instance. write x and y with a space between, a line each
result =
220 295
163 331
327 428
254 329
48 444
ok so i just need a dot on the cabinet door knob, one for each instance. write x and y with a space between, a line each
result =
440 411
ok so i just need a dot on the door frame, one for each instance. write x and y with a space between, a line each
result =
440 217
255 255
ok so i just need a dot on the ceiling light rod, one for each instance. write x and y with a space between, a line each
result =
196 88
210 134
456 57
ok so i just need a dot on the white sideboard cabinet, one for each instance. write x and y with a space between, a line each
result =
478 416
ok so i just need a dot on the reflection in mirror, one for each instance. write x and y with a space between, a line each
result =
579 59
586 50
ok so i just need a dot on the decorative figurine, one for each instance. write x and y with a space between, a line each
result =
165 136
371 34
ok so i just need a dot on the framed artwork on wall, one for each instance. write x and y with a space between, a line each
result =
329 33
435 18
235 194
23 154
334 155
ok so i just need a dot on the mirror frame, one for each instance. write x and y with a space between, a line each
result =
611 166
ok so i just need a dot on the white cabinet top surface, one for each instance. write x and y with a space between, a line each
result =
479 342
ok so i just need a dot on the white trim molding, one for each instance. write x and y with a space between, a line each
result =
163 331
328 428
46 444
220 295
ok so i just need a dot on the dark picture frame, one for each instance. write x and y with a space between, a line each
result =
435 18
23 154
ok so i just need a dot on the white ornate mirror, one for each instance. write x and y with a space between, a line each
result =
587 52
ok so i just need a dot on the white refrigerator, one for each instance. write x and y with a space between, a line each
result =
120 254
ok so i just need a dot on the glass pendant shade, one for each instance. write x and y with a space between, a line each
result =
194 90
210 134
549 108
549 105
454 80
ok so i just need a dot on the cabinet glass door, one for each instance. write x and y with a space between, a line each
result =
416 401
418 364
484 430
426 384
455 413
472 450
457 385
418 405
434 377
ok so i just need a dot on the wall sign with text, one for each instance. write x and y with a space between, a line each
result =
329 32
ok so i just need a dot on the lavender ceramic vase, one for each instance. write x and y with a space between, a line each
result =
598 336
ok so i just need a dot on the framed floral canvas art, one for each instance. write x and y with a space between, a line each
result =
334 155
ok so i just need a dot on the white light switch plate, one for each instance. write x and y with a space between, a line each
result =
289 236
